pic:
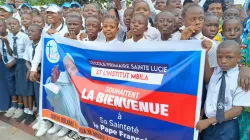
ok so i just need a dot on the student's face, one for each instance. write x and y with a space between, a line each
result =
166 23
74 24
4 14
90 10
171 4
70 66
215 8
231 14
53 18
38 21
110 28
26 20
194 17
75 9
34 33
93 26
26 10
210 27
111 12
65 12
13 26
178 17
138 26
2 27
232 30
227 58
127 17
142 8
160 5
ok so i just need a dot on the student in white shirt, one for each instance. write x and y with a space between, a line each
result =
34 32
9 62
138 26
26 20
193 16
152 33
93 27
165 22
225 100
110 29
16 48
74 24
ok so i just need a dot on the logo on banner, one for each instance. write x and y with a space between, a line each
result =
52 53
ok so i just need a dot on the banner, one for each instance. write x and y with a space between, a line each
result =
137 91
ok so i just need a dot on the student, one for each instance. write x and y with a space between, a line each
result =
5 12
224 98
171 4
25 8
93 27
17 13
74 24
143 8
34 32
193 16
39 20
211 26
75 7
166 25
160 5
232 29
7 69
229 3
138 26
110 29
26 20
18 43
128 14
65 9
231 13
178 19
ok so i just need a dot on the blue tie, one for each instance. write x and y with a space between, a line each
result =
15 46
221 99
5 58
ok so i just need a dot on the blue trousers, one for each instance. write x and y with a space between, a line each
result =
228 130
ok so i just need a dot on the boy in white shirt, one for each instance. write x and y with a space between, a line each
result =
225 100
17 44
9 62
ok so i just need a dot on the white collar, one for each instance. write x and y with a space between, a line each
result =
112 41
229 72
59 28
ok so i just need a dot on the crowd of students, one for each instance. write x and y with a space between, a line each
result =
221 26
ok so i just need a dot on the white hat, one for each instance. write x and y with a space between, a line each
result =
53 8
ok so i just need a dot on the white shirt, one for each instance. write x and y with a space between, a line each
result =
212 55
22 41
152 33
113 41
234 95
10 58
61 30
28 53
132 41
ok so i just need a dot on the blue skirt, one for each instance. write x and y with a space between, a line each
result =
5 98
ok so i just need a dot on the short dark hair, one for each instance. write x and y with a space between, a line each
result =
112 17
227 20
143 16
40 29
185 9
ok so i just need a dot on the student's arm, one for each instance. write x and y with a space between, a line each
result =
228 115
152 8
28 67
208 71
120 11
244 78
9 50
35 62
11 64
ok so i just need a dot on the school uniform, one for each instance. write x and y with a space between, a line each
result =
18 44
113 41
10 72
234 96
132 41
17 16
212 56
32 87
152 33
